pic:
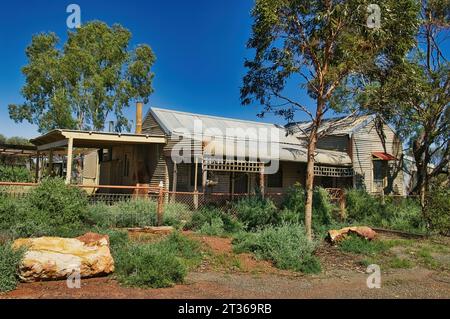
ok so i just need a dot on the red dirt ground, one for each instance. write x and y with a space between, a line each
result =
342 277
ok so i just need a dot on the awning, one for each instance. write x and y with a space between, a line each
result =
384 156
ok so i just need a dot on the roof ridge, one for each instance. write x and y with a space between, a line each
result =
216 117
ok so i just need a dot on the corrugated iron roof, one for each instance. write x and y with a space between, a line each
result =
384 156
231 131
334 126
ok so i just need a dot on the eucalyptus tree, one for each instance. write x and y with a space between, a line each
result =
318 47
414 95
94 74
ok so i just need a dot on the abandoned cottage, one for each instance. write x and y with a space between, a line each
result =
185 152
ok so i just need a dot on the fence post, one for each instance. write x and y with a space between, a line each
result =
160 209
342 205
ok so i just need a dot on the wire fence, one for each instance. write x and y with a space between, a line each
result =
113 194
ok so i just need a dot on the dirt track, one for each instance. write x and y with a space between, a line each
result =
412 283
342 277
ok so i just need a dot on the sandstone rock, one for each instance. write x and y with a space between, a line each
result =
335 236
50 258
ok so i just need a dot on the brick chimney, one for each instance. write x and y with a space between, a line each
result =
139 106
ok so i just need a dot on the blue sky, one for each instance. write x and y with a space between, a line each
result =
200 49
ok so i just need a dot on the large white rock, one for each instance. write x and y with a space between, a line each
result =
49 258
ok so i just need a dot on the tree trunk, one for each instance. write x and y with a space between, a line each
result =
309 189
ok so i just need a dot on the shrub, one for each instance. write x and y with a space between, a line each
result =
286 246
137 213
255 212
176 214
158 265
400 213
213 228
357 245
360 205
16 174
9 263
148 266
134 213
294 206
206 215
437 208
59 205
322 207
404 214
294 200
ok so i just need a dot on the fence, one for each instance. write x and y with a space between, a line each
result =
112 194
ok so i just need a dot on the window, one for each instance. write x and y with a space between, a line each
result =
199 174
275 180
379 174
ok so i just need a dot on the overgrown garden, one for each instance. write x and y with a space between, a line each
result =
258 226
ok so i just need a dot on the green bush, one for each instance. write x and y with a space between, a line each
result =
322 207
256 212
437 208
403 214
207 216
399 213
9 264
134 213
137 213
158 265
59 205
360 205
294 206
213 228
176 215
17 174
357 245
286 246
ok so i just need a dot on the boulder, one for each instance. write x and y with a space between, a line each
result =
335 236
50 258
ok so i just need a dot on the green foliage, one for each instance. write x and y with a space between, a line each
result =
437 208
399 214
137 213
9 264
92 75
213 228
294 206
156 265
400 263
322 207
208 219
58 204
360 204
256 212
286 246
52 208
357 245
176 214
17 174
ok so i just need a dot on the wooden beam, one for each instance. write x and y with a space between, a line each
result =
261 181
69 160
108 137
56 144
50 163
174 181
195 182
204 178
36 172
